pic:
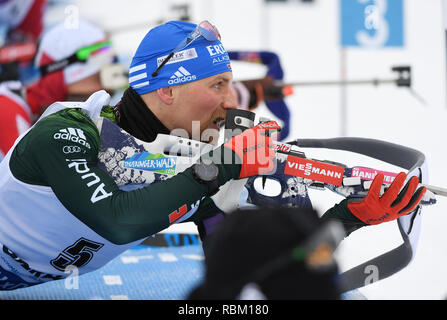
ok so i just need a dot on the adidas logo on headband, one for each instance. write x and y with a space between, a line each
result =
180 76
188 61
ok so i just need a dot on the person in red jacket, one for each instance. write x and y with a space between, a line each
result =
16 116
61 78
24 19
24 23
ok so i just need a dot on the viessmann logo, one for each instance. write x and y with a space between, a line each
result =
73 135
314 170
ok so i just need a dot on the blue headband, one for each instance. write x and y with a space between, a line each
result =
201 59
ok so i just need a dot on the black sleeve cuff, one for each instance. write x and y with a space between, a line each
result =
341 213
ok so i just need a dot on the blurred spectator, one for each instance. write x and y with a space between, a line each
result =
253 92
23 23
16 115
71 63
23 18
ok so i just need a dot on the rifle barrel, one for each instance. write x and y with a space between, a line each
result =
437 190
338 82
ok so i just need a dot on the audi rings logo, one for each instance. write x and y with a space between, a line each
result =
71 149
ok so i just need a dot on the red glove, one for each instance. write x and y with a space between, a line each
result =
375 209
255 149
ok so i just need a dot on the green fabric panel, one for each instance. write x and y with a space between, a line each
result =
90 194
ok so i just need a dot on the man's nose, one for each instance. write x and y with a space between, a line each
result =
231 100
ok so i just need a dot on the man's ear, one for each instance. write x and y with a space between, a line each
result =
166 95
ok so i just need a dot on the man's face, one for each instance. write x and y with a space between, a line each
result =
205 103
82 89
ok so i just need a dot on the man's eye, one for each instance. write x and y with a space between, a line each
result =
218 85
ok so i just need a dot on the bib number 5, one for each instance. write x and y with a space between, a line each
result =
78 254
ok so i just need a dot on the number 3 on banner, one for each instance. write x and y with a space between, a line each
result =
375 19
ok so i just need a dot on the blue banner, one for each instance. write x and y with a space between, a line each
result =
372 23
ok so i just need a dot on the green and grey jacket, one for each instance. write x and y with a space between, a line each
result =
58 208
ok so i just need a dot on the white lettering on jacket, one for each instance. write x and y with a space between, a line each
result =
80 166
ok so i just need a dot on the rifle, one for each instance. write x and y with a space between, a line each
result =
265 90
335 176
133 163
354 182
